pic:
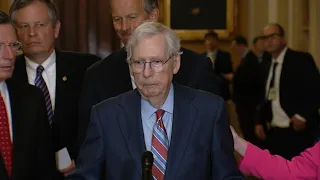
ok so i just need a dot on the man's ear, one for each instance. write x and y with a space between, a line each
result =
154 14
57 29
176 61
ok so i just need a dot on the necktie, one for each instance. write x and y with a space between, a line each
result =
160 145
40 83
273 77
271 85
5 140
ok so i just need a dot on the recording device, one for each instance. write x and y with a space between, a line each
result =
147 162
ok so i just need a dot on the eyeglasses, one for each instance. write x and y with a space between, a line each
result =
156 65
14 46
271 36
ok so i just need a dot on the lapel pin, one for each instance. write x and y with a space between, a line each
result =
64 78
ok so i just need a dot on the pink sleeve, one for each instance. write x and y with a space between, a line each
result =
261 163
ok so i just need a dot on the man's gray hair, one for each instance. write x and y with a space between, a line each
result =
149 29
19 4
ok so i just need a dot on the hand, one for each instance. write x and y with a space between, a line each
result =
240 145
260 132
234 133
69 169
298 125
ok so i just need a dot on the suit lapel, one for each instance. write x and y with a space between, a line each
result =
184 116
17 129
131 127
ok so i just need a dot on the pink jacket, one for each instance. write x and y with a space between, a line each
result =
261 164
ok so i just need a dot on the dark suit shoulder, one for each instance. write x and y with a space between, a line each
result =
78 58
190 54
129 97
222 52
24 90
293 54
110 62
203 97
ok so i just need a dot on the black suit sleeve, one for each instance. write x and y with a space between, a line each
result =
207 79
3 170
226 64
45 159
309 81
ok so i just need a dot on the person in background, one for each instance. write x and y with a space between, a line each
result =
258 48
25 138
59 74
221 61
288 114
247 88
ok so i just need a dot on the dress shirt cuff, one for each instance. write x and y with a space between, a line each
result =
300 117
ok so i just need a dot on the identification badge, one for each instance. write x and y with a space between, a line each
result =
272 94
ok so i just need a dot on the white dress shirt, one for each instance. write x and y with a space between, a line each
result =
6 99
49 74
280 118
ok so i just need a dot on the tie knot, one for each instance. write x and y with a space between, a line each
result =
159 113
40 69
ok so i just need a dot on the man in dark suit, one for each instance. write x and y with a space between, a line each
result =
221 61
3 170
186 130
247 88
111 77
57 73
291 97
25 140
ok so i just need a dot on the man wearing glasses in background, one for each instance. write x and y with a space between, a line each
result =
289 112
25 138
186 130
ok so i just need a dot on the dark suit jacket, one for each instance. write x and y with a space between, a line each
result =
32 145
110 77
247 86
222 65
3 170
72 66
299 88
201 146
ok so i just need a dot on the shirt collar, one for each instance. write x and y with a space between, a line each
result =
147 110
3 87
46 64
280 58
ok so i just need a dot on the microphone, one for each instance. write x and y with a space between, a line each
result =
147 163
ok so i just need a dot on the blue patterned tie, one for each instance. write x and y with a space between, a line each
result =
160 145
40 83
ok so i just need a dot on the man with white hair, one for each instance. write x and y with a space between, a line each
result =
110 77
186 130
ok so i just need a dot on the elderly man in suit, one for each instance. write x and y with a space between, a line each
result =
58 74
25 138
100 82
187 130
